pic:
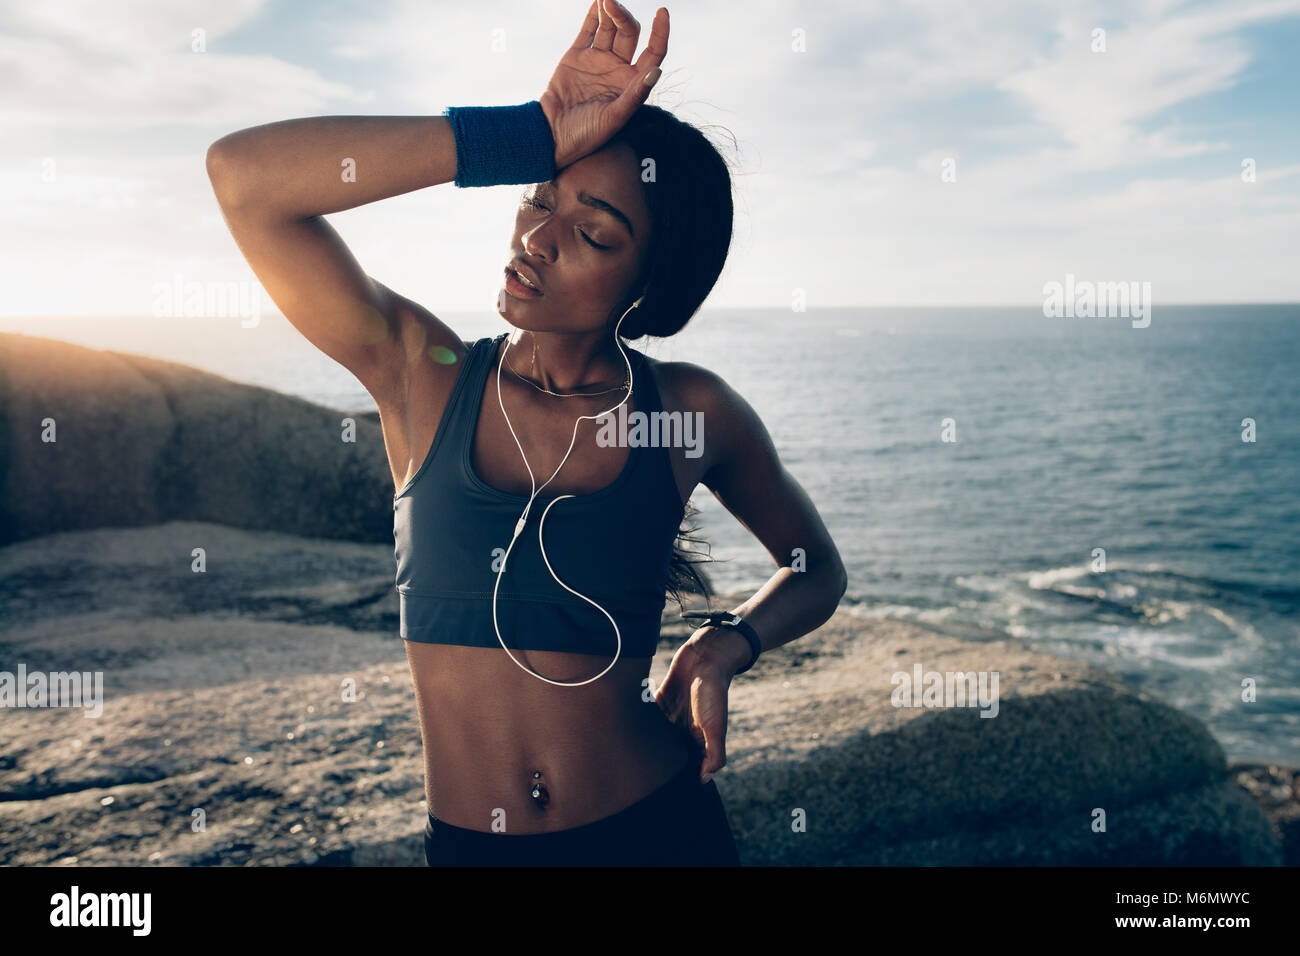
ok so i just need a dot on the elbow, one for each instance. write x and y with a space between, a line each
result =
222 172
840 582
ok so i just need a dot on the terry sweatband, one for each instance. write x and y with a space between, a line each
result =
499 145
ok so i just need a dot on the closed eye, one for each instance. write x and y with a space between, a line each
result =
528 201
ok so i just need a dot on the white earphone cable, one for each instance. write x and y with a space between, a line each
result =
523 517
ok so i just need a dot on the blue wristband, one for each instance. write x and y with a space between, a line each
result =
499 145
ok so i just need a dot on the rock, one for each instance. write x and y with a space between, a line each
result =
908 786
137 438
369 414
1280 803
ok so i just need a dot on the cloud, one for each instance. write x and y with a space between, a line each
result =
1097 100
1064 156
86 65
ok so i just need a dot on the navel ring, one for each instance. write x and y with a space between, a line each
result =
538 793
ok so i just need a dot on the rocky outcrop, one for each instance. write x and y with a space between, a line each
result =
224 695
140 441
1074 769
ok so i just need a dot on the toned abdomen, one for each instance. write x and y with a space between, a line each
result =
488 726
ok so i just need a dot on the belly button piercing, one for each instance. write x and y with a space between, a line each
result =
538 793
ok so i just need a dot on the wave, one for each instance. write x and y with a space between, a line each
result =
1129 610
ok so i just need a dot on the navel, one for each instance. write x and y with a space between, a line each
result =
538 790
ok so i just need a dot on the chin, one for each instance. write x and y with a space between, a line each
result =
526 316
508 307
521 314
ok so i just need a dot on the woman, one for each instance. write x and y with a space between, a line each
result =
530 630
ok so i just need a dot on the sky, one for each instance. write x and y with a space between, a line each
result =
885 154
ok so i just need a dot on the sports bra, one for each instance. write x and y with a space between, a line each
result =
451 529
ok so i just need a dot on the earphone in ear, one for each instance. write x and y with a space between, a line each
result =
523 518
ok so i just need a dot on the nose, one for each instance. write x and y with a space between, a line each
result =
537 242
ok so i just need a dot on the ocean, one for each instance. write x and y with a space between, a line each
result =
1098 500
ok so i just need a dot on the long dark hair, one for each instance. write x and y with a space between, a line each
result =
687 186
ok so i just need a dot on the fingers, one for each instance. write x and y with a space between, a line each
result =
588 30
630 100
628 31
661 701
712 720
715 755
604 37
667 698
681 719
657 47
634 94
610 26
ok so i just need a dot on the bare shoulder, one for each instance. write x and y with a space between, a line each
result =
685 386
729 421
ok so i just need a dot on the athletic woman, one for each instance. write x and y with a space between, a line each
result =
533 555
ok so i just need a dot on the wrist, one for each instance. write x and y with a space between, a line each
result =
724 647
502 145
548 111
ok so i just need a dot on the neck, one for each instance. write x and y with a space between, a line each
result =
567 361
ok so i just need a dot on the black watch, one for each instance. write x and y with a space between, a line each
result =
729 619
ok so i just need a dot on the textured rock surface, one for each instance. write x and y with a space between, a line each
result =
137 440
225 694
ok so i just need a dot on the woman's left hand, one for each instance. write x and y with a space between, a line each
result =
694 697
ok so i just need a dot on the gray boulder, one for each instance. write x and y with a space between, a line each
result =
225 693
142 440
882 785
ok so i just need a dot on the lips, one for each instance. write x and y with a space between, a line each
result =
520 269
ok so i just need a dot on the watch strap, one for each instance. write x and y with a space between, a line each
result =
729 619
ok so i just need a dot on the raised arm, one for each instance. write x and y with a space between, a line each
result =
275 182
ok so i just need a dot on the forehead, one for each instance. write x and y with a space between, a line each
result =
613 175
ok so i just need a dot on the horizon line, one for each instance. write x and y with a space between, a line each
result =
716 308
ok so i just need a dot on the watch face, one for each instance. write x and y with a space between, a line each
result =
734 619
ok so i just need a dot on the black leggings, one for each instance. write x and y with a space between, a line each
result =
683 823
